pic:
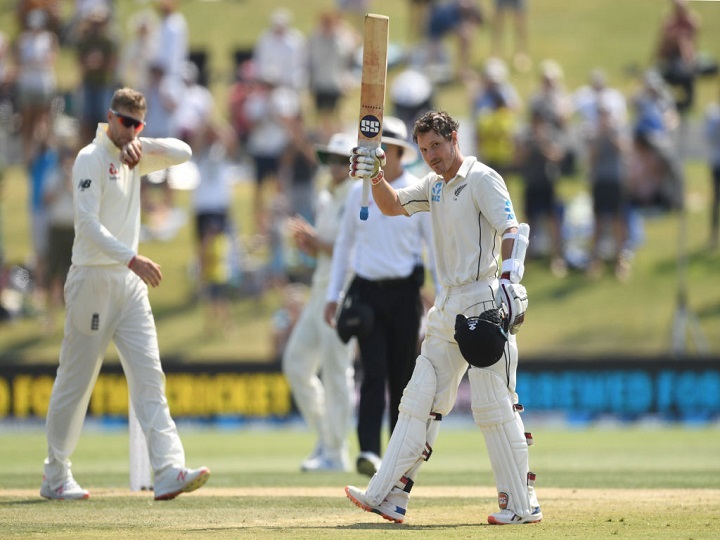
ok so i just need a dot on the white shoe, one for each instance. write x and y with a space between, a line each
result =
68 490
368 463
325 463
173 482
392 508
508 517
312 458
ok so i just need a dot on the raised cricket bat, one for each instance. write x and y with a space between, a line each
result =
372 90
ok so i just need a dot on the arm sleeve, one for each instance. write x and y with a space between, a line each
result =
158 154
494 201
342 249
415 197
87 193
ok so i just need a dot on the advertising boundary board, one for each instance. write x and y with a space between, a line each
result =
584 390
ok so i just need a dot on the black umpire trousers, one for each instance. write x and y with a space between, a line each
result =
387 353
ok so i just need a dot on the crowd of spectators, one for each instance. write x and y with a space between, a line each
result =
622 146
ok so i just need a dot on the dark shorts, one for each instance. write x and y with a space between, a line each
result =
607 198
60 242
265 166
210 222
540 201
326 101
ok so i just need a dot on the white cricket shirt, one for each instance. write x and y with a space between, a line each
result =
469 213
106 194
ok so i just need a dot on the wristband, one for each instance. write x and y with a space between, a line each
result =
131 262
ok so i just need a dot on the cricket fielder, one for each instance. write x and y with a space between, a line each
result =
317 364
473 222
106 299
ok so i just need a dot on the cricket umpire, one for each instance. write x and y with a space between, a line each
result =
473 223
106 298
386 258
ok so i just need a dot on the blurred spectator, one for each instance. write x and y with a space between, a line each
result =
495 81
172 40
42 166
354 11
330 51
300 168
279 54
676 52
139 50
58 202
240 91
35 56
197 104
553 102
518 8
51 8
460 18
212 203
163 97
7 102
608 149
411 95
712 134
659 184
269 110
539 153
97 51
496 106
587 98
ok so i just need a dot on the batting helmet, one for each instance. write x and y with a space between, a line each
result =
481 339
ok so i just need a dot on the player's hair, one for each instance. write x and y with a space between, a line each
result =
438 121
127 98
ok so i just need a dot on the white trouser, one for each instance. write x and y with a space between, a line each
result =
440 349
314 348
104 304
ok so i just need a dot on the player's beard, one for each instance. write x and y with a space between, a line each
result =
445 165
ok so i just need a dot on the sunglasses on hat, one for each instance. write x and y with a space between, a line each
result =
128 121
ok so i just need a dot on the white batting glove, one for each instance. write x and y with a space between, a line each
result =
367 163
512 297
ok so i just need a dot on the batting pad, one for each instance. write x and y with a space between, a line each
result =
505 440
409 438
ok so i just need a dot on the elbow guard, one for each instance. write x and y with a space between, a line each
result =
515 265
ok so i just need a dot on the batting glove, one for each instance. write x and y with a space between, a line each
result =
512 297
367 163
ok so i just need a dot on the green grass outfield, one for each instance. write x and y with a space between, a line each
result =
628 482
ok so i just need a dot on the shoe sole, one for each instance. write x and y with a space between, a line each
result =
192 485
52 498
492 521
367 508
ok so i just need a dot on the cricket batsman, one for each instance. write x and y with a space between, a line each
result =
473 321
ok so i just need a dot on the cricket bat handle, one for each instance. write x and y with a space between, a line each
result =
364 211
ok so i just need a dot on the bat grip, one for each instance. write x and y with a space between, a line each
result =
365 197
